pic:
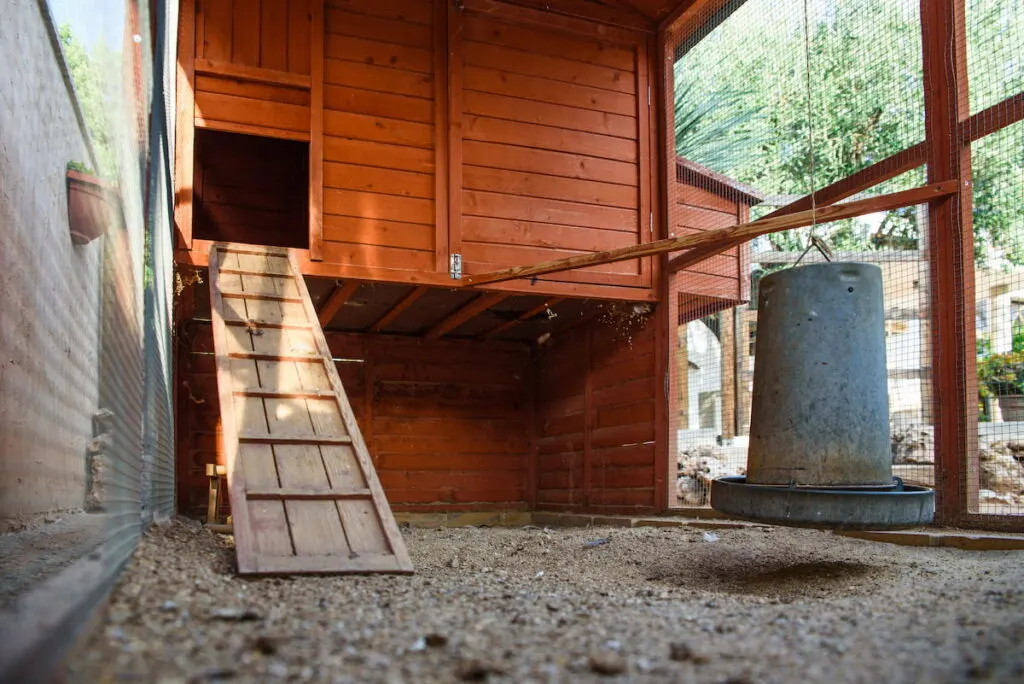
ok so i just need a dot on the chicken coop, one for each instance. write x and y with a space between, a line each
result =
405 153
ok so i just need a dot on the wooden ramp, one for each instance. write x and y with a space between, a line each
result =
305 497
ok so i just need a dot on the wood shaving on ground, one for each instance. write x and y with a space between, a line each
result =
659 605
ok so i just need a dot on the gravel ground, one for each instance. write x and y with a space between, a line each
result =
533 605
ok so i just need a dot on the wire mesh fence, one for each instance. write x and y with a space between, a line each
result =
779 107
995 94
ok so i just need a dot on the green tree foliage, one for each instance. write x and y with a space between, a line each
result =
86 73
745 110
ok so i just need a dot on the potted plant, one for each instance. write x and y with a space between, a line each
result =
1002 376
92 203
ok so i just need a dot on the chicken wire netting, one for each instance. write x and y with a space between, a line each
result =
995 95
771 100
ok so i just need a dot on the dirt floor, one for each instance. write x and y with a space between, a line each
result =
534 605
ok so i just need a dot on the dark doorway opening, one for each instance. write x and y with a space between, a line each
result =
251 189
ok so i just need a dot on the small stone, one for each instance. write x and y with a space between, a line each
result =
168 606
278 669
236 615
436 640
607 663
552 606
680 652
472 671
266 645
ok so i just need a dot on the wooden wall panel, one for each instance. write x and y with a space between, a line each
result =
550 148
252 64
596 419
269 34
696 210
379 134
445 421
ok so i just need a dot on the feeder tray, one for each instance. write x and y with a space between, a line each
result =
820 453
893 507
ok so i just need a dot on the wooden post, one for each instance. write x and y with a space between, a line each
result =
442 228
455 13
952 257
663 440
184 123
317 36
728 338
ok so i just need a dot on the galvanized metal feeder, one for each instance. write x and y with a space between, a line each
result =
820 453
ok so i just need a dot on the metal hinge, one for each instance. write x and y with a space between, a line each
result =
650 224
455 266
648 96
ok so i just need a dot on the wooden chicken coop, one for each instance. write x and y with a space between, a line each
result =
401 149
397 146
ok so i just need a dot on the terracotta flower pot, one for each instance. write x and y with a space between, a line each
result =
91 206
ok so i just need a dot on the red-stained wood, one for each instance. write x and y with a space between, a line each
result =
664 453
465 313
273 34
442 229
184 124
612 31
644 118
944 56
245 34
395 311
251 74
525 316
316 131
588 417
336 300
746 231
299 13
455 70
217 29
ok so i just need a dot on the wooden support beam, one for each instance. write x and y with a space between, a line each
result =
526 315
254 74
337 300
457 318
317 37
406 301
985 122
184 124
951 249
743 232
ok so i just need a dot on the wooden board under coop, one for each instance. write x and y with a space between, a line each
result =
304 493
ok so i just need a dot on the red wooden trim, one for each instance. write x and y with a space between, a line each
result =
588 416
550 18
644 97
687 17
952 257
199 256
393 313
316 131
717 237
455 105
994 118
441 135
184 123
255 74
662 398
336 300
531 391
463 314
